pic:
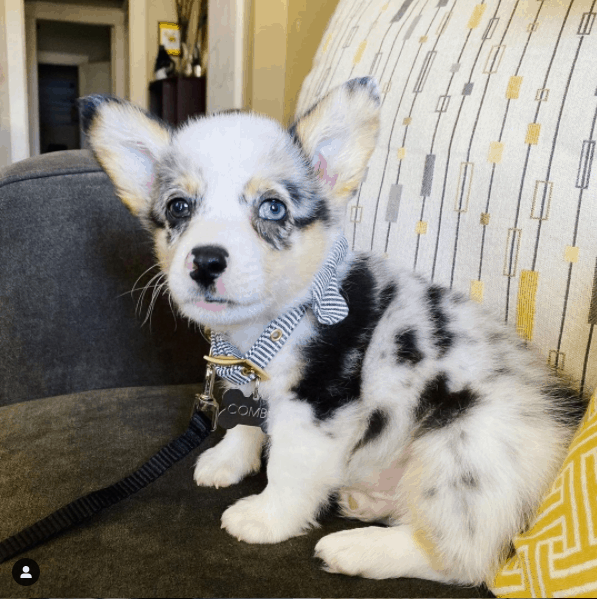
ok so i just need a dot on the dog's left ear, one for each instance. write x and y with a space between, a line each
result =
127 142
339 134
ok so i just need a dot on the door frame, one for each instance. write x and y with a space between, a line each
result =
48 11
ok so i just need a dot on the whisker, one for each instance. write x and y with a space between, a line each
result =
172 308
149 285
135 288
157 290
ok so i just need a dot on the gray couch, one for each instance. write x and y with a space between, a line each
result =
87 395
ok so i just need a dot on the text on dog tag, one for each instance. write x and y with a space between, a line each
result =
237 408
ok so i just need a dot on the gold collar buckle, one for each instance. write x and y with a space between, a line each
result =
248 366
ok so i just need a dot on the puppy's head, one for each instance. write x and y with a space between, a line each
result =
243 212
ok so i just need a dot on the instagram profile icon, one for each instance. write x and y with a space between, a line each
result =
25 572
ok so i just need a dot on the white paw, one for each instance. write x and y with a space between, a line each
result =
216 467
358 552
256 519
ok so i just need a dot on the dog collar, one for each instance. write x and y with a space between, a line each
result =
327 304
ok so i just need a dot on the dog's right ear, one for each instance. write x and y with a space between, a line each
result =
127 142
339 133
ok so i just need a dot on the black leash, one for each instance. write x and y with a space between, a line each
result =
85 507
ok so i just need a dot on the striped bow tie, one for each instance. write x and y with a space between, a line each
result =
327 304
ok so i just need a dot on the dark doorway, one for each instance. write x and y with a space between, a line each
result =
58 117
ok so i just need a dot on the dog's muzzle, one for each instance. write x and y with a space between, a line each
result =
207 262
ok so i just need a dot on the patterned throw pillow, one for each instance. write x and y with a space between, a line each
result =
484 176
484 180
557 557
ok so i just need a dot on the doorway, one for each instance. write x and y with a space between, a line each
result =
73 61
77 50
58 121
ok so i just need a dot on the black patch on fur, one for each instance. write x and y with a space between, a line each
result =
386 297
296 141
569 406
294 191
88 106
407 349
274 232
444 338
468 480
378 421
439 407
364 82
323 384
301 197
320 213
155 221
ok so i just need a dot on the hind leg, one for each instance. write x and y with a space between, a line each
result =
378 552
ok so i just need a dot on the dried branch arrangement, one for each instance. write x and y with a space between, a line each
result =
192 20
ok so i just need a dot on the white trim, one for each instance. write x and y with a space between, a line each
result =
14 27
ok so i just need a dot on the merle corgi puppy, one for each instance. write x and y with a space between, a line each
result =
401 399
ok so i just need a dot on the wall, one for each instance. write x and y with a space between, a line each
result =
283 38
307 21
91 40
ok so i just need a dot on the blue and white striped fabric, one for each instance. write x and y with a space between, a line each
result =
327 304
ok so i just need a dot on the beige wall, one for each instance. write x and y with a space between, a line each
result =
307 20
283 38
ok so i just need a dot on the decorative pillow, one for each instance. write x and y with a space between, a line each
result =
557 557
483 177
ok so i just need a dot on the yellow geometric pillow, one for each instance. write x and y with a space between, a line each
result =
557 557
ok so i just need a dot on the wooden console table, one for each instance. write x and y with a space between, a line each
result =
175 99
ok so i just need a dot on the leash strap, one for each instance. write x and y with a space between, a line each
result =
85 507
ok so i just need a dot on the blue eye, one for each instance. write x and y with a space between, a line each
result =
272 210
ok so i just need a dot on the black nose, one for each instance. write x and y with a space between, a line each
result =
210 263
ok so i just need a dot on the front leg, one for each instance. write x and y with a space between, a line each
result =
305 465
237 455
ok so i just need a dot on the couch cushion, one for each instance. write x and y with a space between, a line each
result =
71 254
165 541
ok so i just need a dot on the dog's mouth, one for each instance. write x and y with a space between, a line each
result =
213 302
209 297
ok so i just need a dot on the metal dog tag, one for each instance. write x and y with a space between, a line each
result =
237 408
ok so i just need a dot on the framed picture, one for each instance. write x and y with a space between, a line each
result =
169 37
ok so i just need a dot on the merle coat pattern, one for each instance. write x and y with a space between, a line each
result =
417 411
